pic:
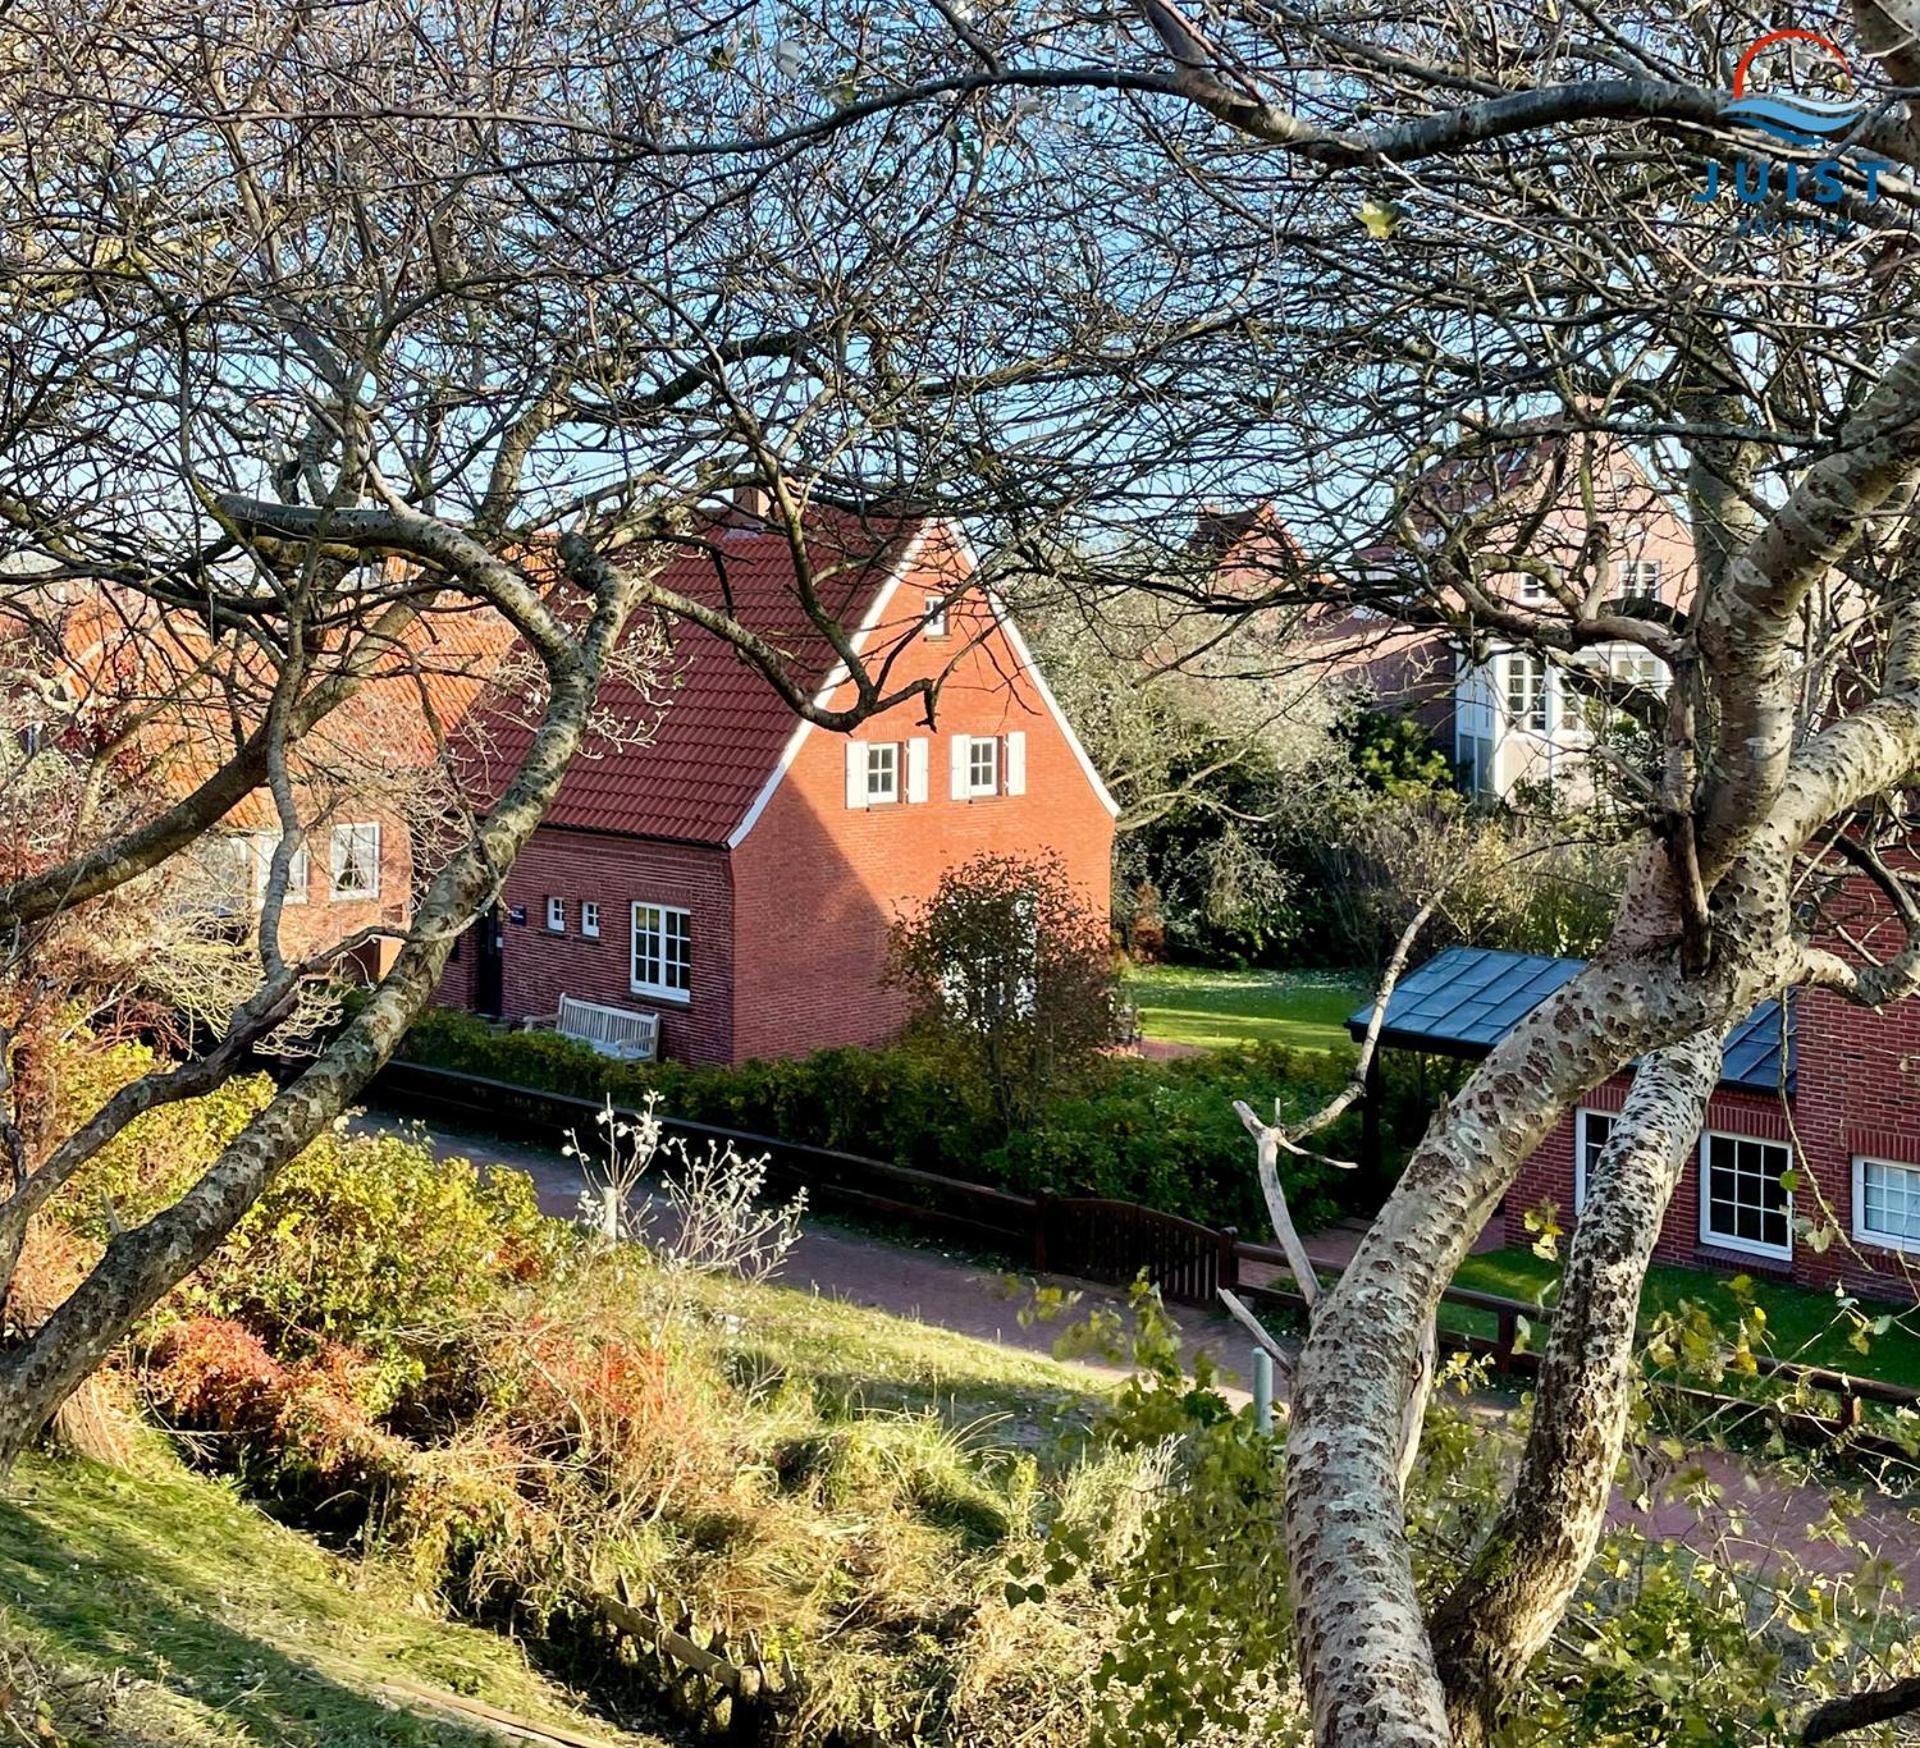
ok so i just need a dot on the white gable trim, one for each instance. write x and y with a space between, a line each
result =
883 598
1025 655
1004 620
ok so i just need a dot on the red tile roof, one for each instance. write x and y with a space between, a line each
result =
719 728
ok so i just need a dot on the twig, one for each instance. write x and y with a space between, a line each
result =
1239 1311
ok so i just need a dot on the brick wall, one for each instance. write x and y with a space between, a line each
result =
313 919
541 964
790 928
816 883
1857 1093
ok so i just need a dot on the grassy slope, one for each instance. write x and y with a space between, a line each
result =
860 1361
1805 1325
1188 1005
223 1628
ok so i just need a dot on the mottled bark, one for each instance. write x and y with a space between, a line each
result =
1505 1607
1364 1648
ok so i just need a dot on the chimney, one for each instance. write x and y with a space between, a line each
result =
751 502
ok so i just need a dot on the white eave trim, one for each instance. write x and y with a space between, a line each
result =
883 598
1005 621
1019 643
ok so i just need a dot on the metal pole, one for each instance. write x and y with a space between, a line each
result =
1262 1390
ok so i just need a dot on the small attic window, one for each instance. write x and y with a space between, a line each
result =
936 616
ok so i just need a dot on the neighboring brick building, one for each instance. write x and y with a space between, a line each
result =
1510 716
738 874
1823 1089
113 671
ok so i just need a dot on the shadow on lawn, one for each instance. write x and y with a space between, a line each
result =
101 1592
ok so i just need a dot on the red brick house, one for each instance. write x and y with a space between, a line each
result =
111 671
1808 1166
737 874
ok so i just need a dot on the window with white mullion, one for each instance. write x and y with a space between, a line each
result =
1745 1202
662 951
1886 1203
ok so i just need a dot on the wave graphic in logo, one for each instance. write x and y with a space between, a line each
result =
1787 115
1799 121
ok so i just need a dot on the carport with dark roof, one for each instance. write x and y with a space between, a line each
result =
1464 1000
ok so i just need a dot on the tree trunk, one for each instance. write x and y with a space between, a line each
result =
142 1265
1365 1655
1504 1609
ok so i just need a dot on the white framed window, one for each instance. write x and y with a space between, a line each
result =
936 616
356 861
1591 1130
1638 667
1532 586
1886 1203
1744 1205
983 765
1524 683
662 951
557 916
1638 578
261 846
883 771
879 772
590 918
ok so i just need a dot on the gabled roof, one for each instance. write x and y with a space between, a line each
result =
1465 1000
720 732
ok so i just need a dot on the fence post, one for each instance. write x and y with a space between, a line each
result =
1042 1218
1262 1390
1504 1340
1230 1257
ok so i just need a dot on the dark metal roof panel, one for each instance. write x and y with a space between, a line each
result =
1467 999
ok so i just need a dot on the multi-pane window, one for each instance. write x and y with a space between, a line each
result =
1638 579
662 950
557 915
1886 1203
1744 1204
299 868
356 861
983 766
1526 692
936 615
1591 1131
590 919
883 771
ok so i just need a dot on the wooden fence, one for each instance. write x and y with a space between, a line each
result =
1095 1238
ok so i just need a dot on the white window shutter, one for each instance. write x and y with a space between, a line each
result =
1016 777
856 773
962 753
917 769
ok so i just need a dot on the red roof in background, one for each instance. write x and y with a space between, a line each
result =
720 728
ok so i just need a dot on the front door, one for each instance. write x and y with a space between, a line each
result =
489 961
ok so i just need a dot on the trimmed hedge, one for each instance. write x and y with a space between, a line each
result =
1164 1134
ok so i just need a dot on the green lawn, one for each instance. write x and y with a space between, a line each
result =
1183 1004
189 1618
1806 1326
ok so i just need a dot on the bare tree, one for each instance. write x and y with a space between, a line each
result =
331 337
305 330
1413 249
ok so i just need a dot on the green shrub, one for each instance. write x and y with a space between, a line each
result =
370 1239
1164 1134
